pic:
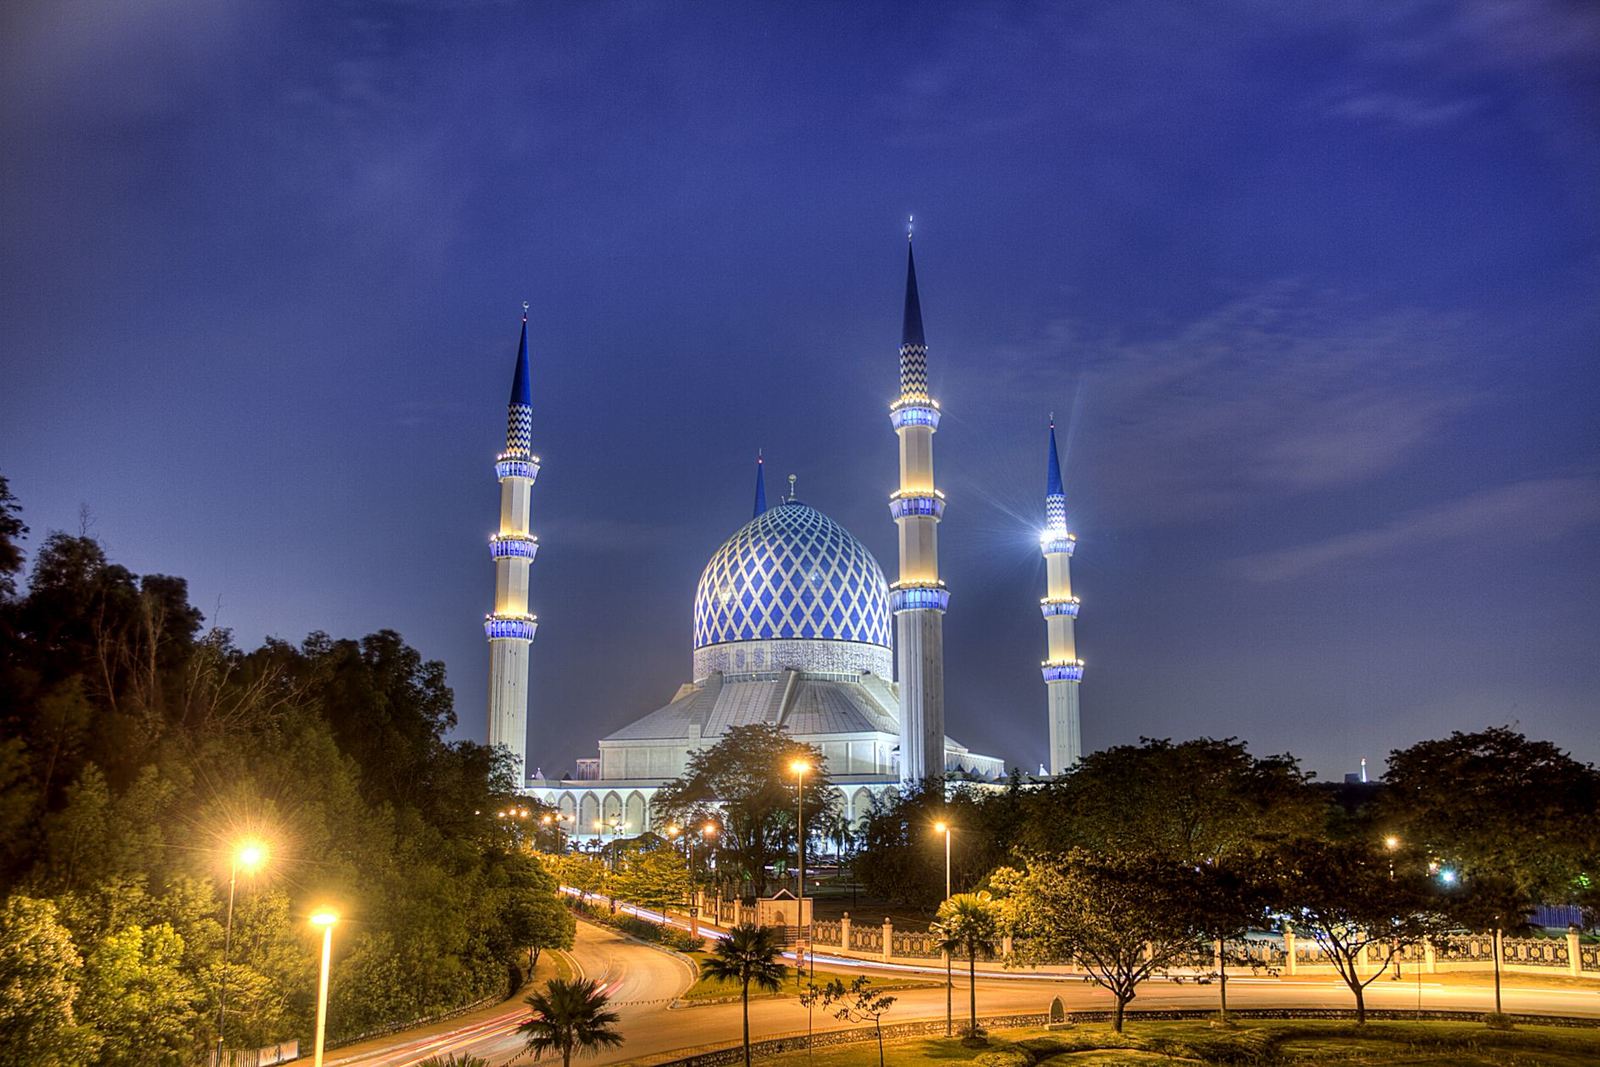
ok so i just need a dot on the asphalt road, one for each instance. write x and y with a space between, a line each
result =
644 981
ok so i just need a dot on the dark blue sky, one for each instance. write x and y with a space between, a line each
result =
1312 289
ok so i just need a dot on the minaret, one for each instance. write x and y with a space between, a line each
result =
919 598
1063 670
510 627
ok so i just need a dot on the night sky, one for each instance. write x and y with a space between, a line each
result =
1311 288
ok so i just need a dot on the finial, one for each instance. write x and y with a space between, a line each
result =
1052 420
792 480
909 220
524 311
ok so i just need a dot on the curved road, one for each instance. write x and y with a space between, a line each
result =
644 981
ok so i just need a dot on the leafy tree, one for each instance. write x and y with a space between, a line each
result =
1194 800
745 783
12 531
969 924
746 954
139 1000
1514 816
1122 915
39 968
1227 899
1344 896
570 1016
857 1003
655 878
902 855
585 874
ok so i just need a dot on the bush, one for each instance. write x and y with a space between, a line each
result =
663 934
1005 1057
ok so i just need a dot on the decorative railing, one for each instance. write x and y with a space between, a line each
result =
866 938
920 945
1051 606
825 933
1070 670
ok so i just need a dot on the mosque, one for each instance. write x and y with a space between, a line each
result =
795 625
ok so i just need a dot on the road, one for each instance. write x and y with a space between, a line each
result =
644 981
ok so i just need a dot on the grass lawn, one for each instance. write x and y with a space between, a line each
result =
1286 1041
706 988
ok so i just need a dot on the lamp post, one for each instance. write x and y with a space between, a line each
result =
1390 844
250 855
325 919
949 978
708 834
799 767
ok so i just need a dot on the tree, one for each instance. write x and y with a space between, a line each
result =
1514 817
1344 896
138 998
570 1016
858 1003
12 531
1122 915
969 924
746 954
1227 899
1194 800
745 783
902 855
39 968
653 877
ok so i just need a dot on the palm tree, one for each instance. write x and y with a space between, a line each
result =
969 923
570 1015
749 953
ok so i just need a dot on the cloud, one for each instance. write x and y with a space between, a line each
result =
1284 391
1538 509
1405 111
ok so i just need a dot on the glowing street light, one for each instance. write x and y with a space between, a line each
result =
799 768
949 978
325 918
250 856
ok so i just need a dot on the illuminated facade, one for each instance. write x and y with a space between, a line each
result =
794 624
1063 670
511 626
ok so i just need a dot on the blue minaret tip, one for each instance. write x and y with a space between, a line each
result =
521 393
912 332
761 487
1053 481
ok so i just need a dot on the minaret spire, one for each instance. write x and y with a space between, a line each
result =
761 487
1063 670
919 598
511 626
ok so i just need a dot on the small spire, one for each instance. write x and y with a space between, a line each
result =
521 393
911 334
909 220
792 480
1053 480
761 487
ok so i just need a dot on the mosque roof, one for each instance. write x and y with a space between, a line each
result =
805 705
791 574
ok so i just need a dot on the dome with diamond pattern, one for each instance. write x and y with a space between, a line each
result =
792 589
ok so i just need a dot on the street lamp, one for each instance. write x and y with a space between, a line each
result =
249 855
325 919
799 768
949 978
1390 844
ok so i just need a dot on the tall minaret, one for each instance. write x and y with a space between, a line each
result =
919 598
1063 670
510 627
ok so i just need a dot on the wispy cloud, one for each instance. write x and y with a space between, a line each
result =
1404 111
1284 391
1539 509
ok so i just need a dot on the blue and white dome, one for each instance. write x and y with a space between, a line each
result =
792 589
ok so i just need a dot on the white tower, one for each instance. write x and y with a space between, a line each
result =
1063 670
511 626
919 598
